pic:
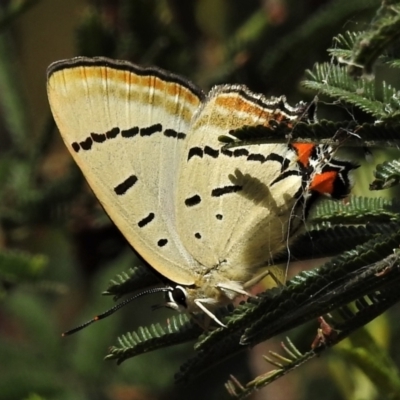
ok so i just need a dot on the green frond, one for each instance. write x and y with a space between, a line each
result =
327 241
291 360
348 133
358 210
336 274
391 98
340 281
352 317
179 330
385 32
386 175
343 45
136 278
334 81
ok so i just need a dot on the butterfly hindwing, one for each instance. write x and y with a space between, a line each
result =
126 126
234 206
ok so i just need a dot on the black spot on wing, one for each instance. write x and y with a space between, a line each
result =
225 190
192 201
197 235
87 143
124 186
112 133
219 216
98 137
75 146
162 242
131 132
150 130
143 222
211 152
195 152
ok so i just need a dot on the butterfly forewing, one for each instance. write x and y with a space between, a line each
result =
233 206
126 126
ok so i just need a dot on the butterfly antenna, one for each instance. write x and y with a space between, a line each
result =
114 309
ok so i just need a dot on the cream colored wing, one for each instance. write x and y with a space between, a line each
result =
126 126
236 209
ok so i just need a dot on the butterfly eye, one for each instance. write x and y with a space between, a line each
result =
176 298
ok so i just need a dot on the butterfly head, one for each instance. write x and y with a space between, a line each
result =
204 297
176 298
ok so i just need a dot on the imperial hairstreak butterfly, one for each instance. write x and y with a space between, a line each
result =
205 217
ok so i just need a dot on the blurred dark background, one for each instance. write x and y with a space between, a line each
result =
59 250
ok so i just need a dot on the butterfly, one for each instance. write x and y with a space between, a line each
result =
205 217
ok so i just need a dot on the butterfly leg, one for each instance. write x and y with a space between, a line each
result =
233 288
199 303
260 277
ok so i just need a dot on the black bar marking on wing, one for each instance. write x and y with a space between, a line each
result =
124 186
240 152
112 133
211 152
87 143
256 157
275 157
195 151
150 130
193 201
225 190
271 157
76 146
131 132
143 222
227 152
98 137
172 133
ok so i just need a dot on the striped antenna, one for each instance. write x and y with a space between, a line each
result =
115 308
